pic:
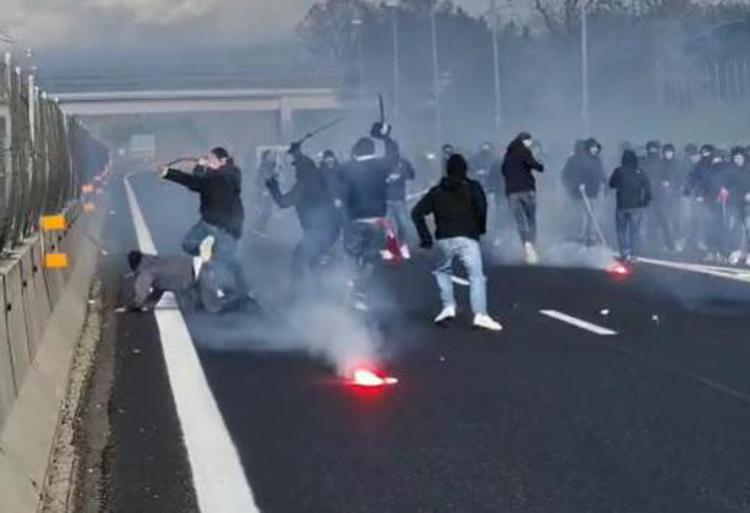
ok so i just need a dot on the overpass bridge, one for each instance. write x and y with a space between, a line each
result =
283 101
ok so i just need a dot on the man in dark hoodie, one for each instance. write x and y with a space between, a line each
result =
520 188
459 207
583 174
633 196
364 194
659 220
317 214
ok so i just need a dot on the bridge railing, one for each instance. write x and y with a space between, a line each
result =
44 156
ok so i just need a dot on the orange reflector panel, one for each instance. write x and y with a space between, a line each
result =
87 189
55 260
53 223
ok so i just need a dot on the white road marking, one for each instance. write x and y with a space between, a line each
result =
574 321
219 480
728 273
461 281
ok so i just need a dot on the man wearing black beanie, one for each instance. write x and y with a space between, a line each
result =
459 208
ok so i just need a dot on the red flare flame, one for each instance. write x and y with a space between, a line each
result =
367 378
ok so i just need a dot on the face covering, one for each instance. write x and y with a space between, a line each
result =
669 155
528 143
739 160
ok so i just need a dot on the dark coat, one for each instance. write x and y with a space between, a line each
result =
518 167
397 187
364 187
632 185
220 201
583 169
459 206
310 196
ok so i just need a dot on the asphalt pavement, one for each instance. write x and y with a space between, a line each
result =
546 416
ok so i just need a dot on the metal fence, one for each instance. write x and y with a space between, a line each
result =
44 156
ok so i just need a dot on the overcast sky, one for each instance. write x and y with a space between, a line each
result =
92 23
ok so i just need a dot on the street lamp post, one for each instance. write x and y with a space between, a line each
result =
394 4
358 24
585 119
436 76
496 70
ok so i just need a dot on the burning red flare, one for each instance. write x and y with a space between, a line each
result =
363 377
619 269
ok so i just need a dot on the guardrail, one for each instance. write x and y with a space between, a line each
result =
45 156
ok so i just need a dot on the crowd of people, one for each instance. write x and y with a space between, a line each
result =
696 203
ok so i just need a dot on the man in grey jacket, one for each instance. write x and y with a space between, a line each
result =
199 281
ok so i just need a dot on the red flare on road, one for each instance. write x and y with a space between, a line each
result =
363 377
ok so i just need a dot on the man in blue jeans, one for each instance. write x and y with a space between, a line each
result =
218 182
459 207
633 196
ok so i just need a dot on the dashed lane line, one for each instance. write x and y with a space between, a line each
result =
219 480
579 323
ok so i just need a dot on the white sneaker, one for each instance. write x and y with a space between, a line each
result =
405 253
386 255
449 312
532 258
206 249
485 322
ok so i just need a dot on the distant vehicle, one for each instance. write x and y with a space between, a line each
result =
142 147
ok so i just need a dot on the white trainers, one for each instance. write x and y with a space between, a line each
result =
449 312
206 249
405 253
485 322
532 258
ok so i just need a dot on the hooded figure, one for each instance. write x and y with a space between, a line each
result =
481 165
519 164
584 174
584 169
318 216
633 196
520 187
459 207
661 213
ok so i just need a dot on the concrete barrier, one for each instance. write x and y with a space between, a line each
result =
7 380
10 273
35 307
44 316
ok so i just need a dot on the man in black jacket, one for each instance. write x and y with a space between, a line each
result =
520 187
364 194
659 219
633 196
218 182
312 198
583 174
459 207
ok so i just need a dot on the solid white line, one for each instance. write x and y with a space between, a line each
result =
461 281
593 328
727 273
219 480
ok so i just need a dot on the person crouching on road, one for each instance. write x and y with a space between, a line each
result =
633 196
459 207
195 282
